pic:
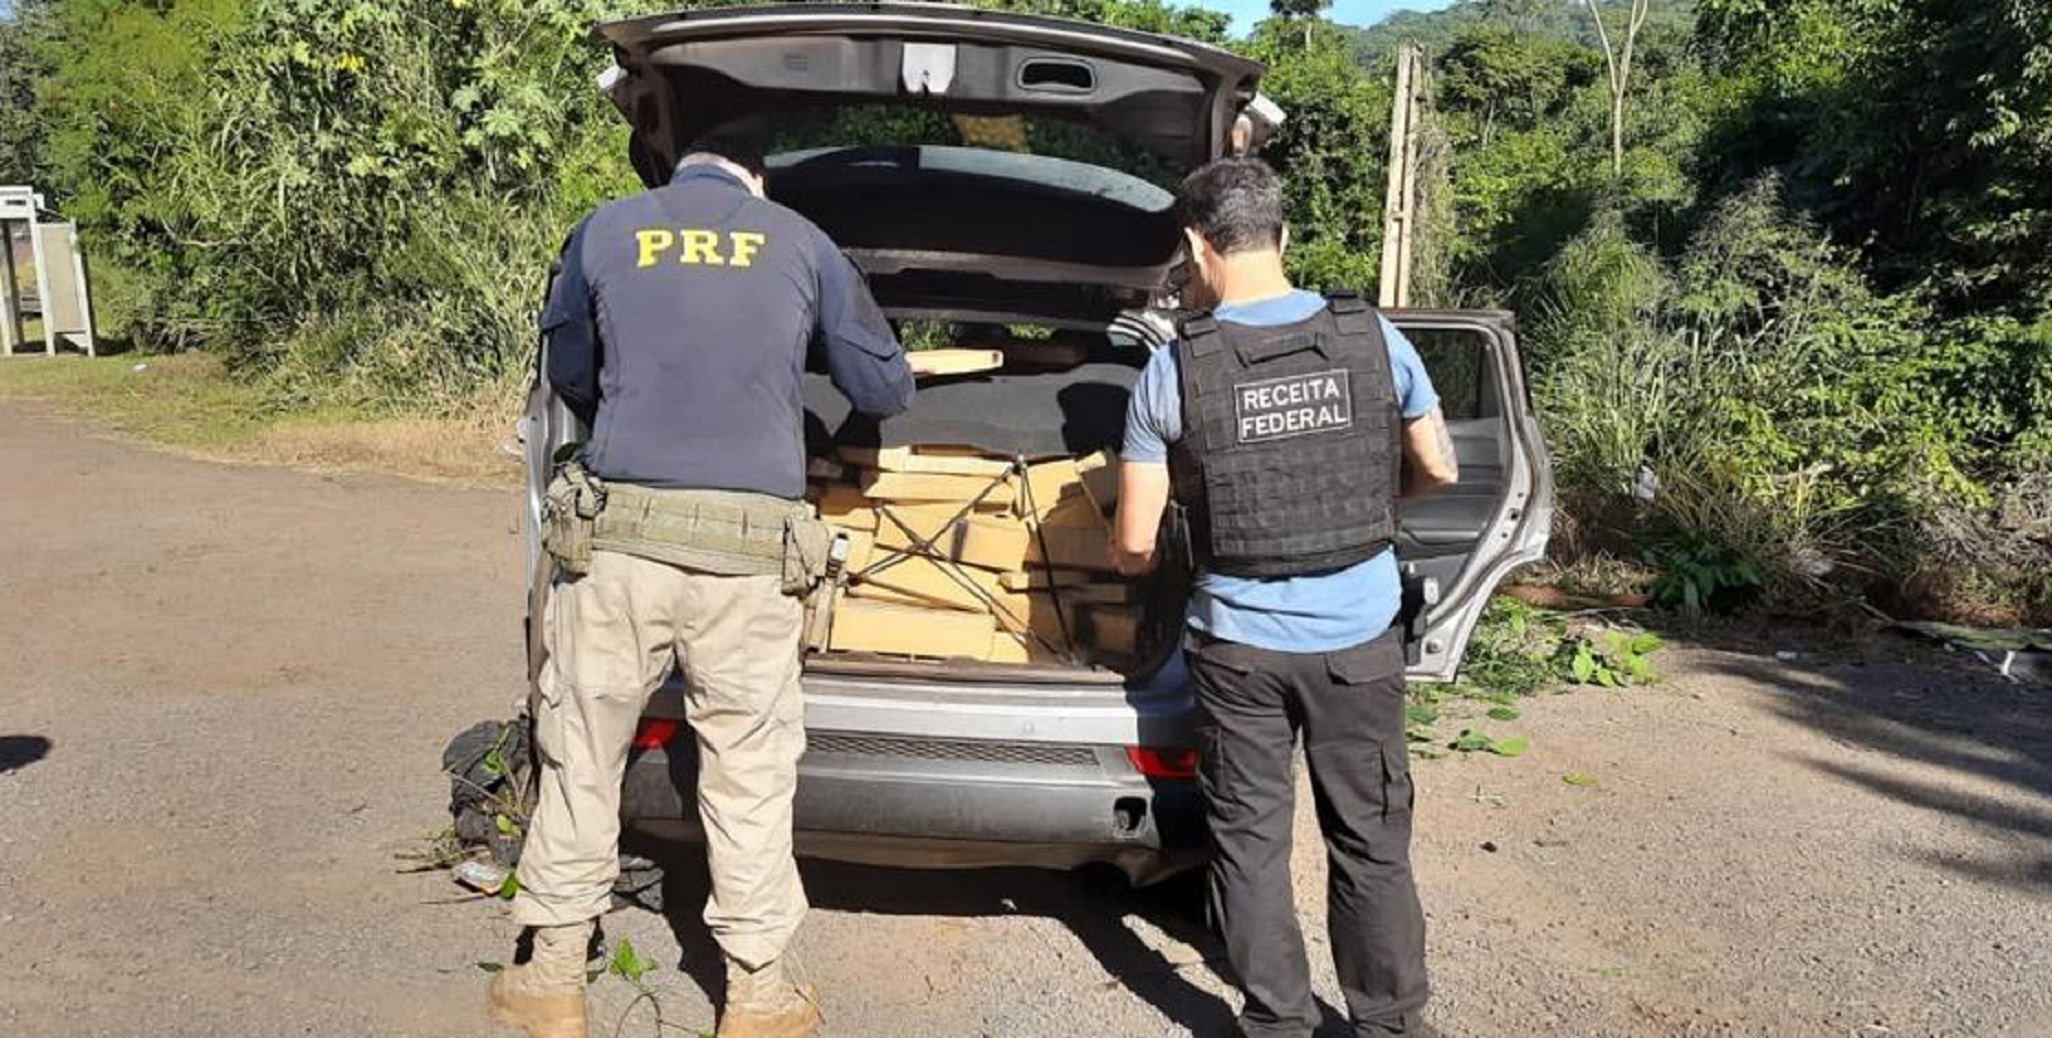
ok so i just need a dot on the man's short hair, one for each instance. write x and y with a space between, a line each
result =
730 147
1236 204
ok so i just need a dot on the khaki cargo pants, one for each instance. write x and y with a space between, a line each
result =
612 637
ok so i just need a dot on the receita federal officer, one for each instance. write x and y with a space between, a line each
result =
1287 424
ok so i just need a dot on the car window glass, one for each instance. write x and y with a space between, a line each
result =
871 125
1458 361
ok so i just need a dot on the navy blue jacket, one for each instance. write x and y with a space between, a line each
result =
679 327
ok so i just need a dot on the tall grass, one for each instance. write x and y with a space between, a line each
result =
1753 394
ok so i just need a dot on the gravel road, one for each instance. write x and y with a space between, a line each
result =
226 688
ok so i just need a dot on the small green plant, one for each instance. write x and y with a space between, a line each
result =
1472 741
1613 660
633 967
1420 717
629 964
920 335
1512 655
1512 652
1698 576
1519 651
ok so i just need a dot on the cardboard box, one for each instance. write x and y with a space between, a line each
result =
862 626
1060 488
1006 647
1110 628
921 486
1070 547
994 542
1076 511
1074 587
1023 581
1047 483
1099 593
846 507
935 363
1101 482
1024 611
918 580
1030 620
931 461
1006 612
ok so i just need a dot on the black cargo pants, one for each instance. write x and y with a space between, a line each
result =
1349 707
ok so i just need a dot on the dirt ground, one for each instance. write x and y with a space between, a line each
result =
226 688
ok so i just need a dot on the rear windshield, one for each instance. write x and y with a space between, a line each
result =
881 124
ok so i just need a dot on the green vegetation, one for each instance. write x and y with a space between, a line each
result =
1787 309
1796 350
1697 575
1614 659
1517 652
1438 31
352 199
186 402
179 401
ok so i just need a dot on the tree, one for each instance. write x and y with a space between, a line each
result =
1303 12
1512 78
1521 16
1619 63
1330 152
21 133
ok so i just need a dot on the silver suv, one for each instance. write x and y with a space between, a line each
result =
1006 173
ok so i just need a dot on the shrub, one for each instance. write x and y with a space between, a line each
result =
1757 402
348 197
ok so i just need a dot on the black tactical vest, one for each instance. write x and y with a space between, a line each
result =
1289 458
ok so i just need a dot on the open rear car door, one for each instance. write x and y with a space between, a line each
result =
1466 539
681 75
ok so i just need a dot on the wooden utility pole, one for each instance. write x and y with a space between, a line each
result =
1400 211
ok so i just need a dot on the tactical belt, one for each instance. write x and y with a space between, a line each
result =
712 531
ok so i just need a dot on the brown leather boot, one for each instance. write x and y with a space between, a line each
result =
545 996
764 1003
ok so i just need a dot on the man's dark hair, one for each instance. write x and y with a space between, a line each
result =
735 148
1236 204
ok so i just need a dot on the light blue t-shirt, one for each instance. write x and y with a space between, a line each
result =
1321 613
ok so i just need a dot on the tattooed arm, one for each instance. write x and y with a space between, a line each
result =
1429 462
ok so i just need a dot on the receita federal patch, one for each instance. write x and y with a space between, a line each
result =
1299 405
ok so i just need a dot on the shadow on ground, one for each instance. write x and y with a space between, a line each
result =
1091 904
1973 725
20 751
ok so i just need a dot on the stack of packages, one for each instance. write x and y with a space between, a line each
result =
955 554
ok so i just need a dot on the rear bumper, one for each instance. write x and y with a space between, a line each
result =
886 800
943 773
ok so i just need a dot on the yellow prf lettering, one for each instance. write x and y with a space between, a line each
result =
702 247
653 241
745 244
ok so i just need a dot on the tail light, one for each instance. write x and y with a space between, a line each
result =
654 733
1156 763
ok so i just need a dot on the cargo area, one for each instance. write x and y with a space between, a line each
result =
977 522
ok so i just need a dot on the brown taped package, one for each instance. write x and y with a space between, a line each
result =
993 598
